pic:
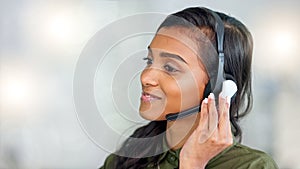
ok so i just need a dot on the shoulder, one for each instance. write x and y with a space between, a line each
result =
109 162
239 156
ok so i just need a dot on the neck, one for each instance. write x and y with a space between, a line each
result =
179 131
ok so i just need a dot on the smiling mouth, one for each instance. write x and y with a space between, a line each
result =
146 97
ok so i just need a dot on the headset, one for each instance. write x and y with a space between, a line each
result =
227 88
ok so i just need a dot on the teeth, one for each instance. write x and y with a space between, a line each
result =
149 96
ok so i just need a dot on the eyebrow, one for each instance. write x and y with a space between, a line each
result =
169 55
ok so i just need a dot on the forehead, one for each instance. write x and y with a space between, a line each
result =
175 40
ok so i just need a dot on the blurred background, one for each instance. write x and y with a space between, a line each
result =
40 42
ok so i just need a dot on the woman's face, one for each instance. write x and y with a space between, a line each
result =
174 78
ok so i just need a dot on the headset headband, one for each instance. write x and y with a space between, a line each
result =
219 29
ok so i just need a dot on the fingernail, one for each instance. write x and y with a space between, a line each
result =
205 101
222 95
211 96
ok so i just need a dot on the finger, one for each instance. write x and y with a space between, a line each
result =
211 120
224 118
202 128
222 104
212 113
203 122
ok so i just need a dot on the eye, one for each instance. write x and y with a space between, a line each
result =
169 68
149 61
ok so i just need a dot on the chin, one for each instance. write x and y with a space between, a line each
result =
152 111
152 116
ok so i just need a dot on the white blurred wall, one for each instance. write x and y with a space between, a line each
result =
40 42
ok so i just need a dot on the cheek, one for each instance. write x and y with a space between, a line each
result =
184 93
172 91
191 91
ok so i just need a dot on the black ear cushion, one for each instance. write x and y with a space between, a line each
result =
207 90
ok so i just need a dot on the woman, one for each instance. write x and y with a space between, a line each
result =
184 64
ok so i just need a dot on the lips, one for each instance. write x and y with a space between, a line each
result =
147 97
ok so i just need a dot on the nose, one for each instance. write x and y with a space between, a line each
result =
149 77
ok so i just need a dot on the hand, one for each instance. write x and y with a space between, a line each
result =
212 135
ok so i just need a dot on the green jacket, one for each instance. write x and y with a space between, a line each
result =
236 156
